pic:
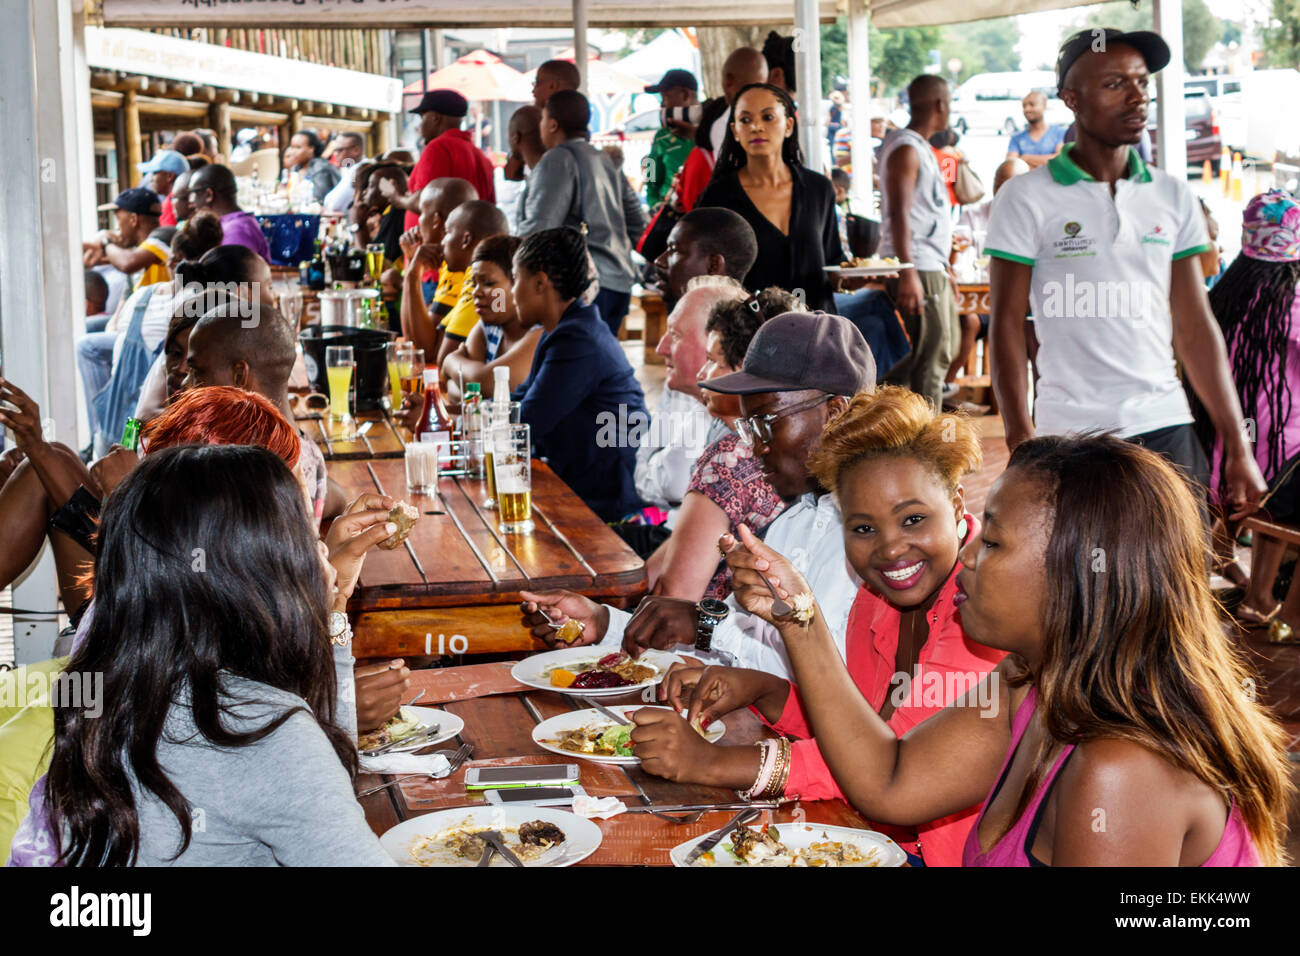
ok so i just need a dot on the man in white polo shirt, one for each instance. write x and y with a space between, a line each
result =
1105 250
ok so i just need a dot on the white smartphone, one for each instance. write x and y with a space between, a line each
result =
547 775
534 796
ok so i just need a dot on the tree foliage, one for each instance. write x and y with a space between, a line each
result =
1201 29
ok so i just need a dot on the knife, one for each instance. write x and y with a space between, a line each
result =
493 839
712 840
430 731
612 715
687 807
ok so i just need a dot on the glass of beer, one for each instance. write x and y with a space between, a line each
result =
375 262
338 370
511 471
492 412
410 370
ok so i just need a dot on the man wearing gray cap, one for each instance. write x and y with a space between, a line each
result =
800 371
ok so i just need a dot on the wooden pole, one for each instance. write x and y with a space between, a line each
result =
131 118
219 120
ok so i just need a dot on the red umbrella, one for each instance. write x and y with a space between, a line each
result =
476 76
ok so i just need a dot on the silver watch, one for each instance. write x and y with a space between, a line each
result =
339 630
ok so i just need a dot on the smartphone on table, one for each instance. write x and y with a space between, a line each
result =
546 775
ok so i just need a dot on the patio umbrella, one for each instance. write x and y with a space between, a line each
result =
479 75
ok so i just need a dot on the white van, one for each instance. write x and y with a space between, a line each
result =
991 101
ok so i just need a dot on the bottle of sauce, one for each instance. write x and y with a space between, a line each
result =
433 418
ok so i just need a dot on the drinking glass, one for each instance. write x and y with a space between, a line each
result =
491 421
410 369
375 261
291 306
511 466
339 365
394 377
422 467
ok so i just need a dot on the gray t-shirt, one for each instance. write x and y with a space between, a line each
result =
930 214
285 800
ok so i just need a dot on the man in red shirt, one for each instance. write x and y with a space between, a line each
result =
448 152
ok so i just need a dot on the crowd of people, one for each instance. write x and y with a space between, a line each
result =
974 685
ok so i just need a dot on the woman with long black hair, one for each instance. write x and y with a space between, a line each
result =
213 738
760 175
1255 303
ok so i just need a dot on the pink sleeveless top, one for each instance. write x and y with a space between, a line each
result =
1236 846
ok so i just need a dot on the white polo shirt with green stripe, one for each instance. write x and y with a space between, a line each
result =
1100 290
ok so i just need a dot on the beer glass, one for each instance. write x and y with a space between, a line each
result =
491 420
338 370
410 369
511 465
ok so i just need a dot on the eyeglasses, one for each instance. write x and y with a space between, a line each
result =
759 427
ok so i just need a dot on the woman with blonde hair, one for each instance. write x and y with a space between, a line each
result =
896 468
1125 732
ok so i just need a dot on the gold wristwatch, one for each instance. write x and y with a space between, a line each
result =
340 631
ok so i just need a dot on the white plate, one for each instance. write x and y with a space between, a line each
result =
535 671
550 729
582 837
866 272
799 836
449 725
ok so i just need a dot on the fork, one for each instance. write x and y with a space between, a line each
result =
779 607
454 757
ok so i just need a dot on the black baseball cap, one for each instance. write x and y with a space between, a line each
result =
800 350
446 102
1154 50
673 79
137 199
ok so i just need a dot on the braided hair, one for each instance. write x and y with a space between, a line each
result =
561 253
732 156
1252 302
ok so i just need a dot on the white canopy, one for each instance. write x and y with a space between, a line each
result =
888 14
449 13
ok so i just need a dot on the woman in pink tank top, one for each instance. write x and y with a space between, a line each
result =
1120 699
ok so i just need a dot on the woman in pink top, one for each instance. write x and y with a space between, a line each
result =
1257 308
896 468
1120 734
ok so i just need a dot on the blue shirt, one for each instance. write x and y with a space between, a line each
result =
587 411
1022 144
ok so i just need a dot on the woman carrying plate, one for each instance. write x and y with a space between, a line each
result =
896 468
760 174
1124 733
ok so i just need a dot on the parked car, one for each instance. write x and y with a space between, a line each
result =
992 101
1203 140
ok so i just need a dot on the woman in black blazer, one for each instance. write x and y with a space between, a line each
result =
760 175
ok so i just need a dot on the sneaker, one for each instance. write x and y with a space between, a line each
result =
950 389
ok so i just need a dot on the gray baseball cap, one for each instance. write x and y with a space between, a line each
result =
803 350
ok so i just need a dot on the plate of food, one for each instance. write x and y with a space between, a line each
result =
866 267
796 844
593 736
539 836
410 722
586 672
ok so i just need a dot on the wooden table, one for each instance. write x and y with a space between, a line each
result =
973 297
454 588
340 441
499 718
